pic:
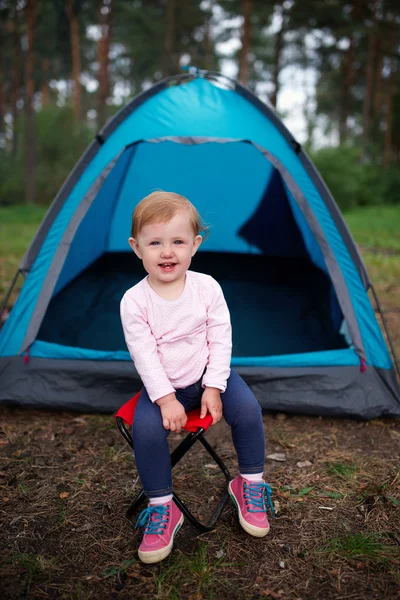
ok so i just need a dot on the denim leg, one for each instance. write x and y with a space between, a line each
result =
153 460
152 455
243 413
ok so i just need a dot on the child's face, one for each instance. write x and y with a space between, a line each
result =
166 249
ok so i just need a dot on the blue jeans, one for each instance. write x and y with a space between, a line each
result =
241 411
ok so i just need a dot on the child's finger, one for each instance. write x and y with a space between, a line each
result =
203 410
166 423
214 415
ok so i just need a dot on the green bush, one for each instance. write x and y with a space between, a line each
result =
351 182
11 179
391 186
59 143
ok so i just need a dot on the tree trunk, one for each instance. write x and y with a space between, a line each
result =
3 95
378 82
30 175
169 39
16 81
76 57
103 50
3 103
348 81
309 117
244 52
277 57
369 76
356 16
44 88
208 41
389 117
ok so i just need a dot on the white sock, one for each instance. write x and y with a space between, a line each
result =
253 476
160 500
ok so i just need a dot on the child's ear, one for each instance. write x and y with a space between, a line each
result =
197 241
135 247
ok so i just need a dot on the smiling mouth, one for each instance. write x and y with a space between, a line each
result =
167 265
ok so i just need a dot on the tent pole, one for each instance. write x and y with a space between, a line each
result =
8 294
386 330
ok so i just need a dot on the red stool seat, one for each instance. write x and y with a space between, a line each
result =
127 413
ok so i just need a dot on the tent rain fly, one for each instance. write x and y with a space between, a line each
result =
305 336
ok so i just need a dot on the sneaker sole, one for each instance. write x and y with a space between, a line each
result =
250 529
155 556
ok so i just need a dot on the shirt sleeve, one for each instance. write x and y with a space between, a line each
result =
142 347
219 340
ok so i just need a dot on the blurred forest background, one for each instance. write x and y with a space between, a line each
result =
67 65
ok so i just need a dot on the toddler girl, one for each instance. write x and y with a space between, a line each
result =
178 332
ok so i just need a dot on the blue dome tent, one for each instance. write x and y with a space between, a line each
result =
305 335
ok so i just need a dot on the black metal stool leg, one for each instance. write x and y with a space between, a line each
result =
176 456
215 456
185 445
140 498
195 522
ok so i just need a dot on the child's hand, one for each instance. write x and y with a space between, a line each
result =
172 413
211 401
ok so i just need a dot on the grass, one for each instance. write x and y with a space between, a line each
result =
117 569
61 513
342 470
375 227
203 571
369 547
33 564
376 232
18 225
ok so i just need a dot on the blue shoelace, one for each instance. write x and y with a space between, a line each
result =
154 519
258 494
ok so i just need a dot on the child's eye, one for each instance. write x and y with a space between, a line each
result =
154 243
178 242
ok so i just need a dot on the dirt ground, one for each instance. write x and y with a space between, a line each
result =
66 481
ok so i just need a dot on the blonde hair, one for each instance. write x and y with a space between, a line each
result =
161 207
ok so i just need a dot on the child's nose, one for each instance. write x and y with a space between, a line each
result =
166 251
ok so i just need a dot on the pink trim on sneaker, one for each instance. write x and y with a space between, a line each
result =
252 500
161 523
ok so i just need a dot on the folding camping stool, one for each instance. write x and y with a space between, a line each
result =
197 427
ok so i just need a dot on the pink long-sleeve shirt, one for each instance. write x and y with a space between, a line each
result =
172 342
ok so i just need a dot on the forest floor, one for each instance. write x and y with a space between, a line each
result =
66 480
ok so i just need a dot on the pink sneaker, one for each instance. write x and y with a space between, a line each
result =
252 499
161 523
